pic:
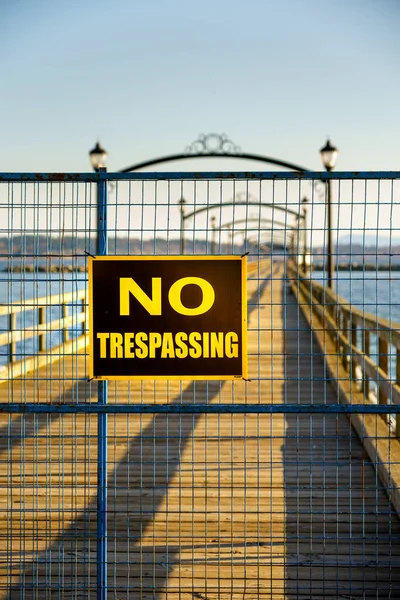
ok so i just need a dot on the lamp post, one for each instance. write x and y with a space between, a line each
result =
295 242
213 234
244 242
98 157
304 216
182 203
229 244
329 154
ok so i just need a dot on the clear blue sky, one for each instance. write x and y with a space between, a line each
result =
147 76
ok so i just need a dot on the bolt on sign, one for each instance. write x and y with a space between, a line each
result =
169 317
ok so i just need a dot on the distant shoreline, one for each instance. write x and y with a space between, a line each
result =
83 269
359 267
44 269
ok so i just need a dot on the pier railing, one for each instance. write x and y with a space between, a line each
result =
49 338
362 357
355 332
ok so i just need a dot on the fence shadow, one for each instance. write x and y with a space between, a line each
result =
342 535
139 564
137 489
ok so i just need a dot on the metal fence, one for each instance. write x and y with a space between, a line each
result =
282 486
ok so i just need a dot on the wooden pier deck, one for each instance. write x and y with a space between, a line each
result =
208 507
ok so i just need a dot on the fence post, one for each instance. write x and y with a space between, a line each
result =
365 378
42 334
12 346
65 333
398 383
345 325
102 397
383 349
335 334
353 343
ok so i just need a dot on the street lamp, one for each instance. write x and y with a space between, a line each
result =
328 155
295 241
304 216
213 234
182 203
98 157
229 229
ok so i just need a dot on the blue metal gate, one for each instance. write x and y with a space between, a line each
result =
282 486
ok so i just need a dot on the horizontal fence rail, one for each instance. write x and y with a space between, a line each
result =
201 175
177 409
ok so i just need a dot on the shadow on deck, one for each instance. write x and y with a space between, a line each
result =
138 567
342 534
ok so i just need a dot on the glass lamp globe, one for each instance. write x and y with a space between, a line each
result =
98 157
329 155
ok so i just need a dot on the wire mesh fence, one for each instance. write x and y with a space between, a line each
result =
282 486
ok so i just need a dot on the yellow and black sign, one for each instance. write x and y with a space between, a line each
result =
168 317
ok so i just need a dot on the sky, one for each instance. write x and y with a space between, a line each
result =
146 77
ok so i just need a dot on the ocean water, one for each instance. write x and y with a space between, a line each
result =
373 292
377 293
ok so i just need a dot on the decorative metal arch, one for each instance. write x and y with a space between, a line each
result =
255 220
221 205
241 203
284 227
227 226
214 145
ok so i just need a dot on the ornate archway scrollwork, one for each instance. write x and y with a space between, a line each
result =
213 143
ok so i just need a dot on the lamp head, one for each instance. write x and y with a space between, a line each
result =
329 155
181 204
98 157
